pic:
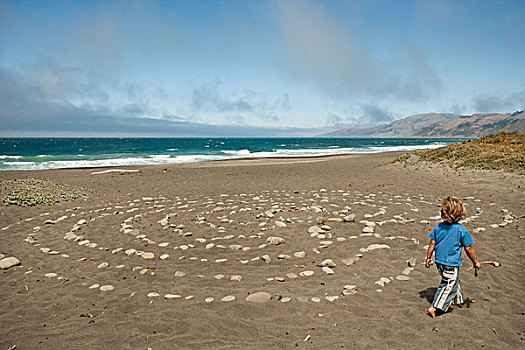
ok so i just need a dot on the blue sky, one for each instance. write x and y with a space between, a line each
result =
182 67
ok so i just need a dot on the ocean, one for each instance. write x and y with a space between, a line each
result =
52 153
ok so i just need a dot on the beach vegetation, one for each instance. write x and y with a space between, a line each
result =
503 151
32 192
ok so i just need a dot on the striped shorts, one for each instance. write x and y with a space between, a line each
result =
449 290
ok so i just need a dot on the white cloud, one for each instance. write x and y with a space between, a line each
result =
323 50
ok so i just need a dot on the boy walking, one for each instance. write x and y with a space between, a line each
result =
448 239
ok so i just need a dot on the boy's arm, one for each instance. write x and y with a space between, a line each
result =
430 250
472 256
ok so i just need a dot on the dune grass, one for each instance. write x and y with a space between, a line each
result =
31 192
503 151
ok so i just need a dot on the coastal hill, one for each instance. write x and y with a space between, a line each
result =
442 125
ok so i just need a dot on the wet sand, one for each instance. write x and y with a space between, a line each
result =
209 228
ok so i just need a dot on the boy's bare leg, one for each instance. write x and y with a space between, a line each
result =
432 311
453 306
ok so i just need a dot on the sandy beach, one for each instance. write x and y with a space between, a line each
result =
165 258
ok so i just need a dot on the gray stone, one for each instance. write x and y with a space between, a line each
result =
349 218
328 262
266 258
348 261
283 256
407 271
306 273
275 240
315 230
180 274
368 229
228 298
411 262
107 288
402 278
346 292
280 224
259 297
377 246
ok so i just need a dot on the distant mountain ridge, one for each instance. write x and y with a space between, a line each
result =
442 125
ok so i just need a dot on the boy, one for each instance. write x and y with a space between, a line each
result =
447 240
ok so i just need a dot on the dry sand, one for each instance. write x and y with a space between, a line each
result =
63 312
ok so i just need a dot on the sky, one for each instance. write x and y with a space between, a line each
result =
208 68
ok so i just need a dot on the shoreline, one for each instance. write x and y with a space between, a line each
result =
283 159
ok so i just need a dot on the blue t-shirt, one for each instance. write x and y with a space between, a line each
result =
450 240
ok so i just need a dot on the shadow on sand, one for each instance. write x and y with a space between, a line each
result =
429 295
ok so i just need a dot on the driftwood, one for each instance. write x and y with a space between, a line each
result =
494 263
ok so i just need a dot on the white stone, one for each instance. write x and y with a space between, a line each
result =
402 278
8 262
172 296
377 246
299 254
328 270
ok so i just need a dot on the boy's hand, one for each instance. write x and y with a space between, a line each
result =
428 262
477 265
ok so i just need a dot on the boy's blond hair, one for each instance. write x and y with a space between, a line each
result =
452 210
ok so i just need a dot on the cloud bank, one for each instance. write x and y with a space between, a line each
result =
320 48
